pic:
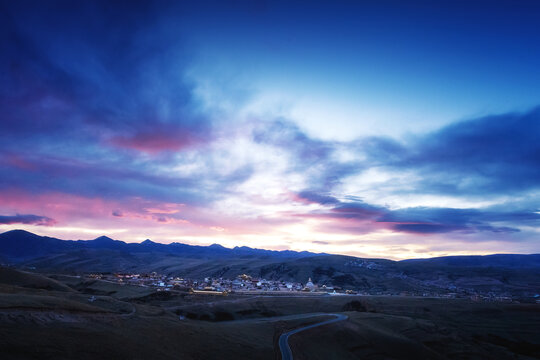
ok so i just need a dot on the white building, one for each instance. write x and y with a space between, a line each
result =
310 285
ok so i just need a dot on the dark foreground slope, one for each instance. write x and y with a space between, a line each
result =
136 323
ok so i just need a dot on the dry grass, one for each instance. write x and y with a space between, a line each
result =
39 323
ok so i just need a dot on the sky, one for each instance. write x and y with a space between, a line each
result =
384 129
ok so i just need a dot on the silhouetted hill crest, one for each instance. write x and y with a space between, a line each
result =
20 244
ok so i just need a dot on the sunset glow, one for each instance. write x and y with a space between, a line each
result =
308 129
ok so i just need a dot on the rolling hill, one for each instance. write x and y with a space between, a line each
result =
506 274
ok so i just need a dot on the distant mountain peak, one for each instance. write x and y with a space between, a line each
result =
103 238
148 242
20 232
216 246
15 231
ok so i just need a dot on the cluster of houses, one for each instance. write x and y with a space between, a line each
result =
242 283
247 284
363 264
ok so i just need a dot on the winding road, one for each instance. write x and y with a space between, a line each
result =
286 353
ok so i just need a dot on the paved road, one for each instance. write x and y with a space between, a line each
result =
131 313
286 353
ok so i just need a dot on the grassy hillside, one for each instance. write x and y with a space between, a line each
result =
373 276
127 324
10 276
502 275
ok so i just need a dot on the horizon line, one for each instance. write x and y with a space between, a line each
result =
296 251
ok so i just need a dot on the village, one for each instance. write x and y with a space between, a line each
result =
242 283
246 284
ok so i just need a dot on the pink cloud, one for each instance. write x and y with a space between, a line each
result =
17 161
157 139
162 218
165 208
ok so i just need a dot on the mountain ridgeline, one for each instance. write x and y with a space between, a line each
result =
502 273
20 245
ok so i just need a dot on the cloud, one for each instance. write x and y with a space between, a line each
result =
319 242
357 210
155 141
285 134
98 73
442 220
427 228
314 197
100 108
359 217
26 219
316 158
96 102
489 155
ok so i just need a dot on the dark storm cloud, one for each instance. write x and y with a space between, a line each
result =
314 197
484 156
26 219
97 73
427 228
357 210
461 216
419 220
94 99
106 179
441 220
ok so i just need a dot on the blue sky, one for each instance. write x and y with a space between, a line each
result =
384 128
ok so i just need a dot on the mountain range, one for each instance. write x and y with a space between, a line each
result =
20 245
500 273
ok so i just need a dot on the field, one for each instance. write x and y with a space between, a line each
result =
64 317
